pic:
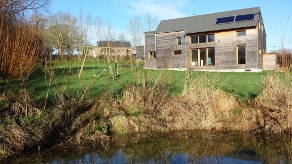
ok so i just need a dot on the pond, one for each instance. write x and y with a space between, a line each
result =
177 147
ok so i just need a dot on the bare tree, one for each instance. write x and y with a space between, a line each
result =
17 8
150 23
109 37
64 33
85 48
20 48
136 31
137 26
99 28
20 42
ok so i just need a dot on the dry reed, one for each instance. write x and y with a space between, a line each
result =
274 103
20 47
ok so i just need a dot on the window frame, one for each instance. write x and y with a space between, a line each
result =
208 38
179 41
239 31
237 54
200 35
174 52
208 56
152 55
197 36
199 57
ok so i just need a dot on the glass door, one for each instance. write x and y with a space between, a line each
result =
195 57
203 57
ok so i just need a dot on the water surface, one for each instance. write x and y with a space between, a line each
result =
179 147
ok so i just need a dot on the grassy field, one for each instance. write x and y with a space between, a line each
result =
58 105
65 79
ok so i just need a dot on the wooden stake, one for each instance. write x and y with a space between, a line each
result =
83 62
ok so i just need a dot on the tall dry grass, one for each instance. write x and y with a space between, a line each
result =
275 104
150 108
148 99
284 58
202 106
20 47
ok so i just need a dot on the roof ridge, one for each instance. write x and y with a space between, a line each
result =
212 13
207 22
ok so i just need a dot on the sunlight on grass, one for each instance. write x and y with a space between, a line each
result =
244 85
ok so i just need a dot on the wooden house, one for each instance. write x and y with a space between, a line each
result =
225 40
139 52
112 48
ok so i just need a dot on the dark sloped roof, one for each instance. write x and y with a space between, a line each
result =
113 44
206 23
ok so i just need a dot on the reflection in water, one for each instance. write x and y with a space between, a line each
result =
179 147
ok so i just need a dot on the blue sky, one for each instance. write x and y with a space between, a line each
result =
277 14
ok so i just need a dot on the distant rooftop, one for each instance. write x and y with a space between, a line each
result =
113 44
209 22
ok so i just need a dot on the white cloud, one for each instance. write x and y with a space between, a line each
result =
162 9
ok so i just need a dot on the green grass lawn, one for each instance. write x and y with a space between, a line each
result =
244 85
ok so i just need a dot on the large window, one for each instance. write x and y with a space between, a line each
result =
211 37
211 56
241 52
195 39
202 39
152 55
203 57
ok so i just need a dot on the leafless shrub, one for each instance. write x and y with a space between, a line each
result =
274 103
199 107
14 8
147 99
20 48
16 138
285 59
19 103
93 124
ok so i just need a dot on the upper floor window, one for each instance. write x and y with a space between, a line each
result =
211 37
195 39
179 41
202 38
241 33
177 52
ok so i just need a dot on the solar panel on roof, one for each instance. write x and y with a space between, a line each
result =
244 17
225 20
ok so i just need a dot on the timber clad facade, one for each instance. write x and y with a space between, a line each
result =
204 42
112 48
139 52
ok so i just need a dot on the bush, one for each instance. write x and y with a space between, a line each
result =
20 48
200 108
147 99
284 58
274 103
